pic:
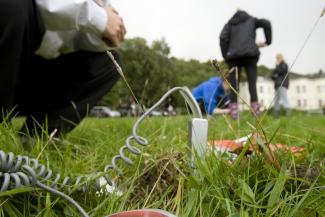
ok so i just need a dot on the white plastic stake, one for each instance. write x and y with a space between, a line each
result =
198 137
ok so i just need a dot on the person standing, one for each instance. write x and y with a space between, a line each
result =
239 49
280 76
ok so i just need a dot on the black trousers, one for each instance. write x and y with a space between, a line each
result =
58 92
250 65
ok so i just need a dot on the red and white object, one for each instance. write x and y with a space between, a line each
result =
236 146
143 213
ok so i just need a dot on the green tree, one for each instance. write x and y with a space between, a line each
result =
151 71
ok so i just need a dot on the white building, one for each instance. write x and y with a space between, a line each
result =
306 92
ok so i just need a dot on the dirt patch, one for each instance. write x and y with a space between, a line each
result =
160 177
308 172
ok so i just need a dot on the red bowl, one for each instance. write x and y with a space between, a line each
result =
143 213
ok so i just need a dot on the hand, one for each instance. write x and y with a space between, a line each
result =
218 111
115 30
261 44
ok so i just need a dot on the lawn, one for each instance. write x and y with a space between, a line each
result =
163 178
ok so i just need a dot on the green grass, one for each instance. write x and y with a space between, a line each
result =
161 177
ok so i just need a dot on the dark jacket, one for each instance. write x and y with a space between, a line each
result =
238 37
279 74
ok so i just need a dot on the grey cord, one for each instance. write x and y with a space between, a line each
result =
22 171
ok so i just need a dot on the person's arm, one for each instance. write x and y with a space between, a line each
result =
210 101
220 111
283 69
224 40
83 15
275 74
280 71
211 106
266 25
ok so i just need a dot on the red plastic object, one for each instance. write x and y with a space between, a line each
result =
143 213
293 149
233 146
226 145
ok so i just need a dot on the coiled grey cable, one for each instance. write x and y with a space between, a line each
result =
22 171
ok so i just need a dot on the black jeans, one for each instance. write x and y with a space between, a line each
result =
57 93
251 71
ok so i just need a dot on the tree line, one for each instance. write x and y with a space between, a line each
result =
150 72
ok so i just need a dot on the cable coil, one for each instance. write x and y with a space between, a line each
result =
22 171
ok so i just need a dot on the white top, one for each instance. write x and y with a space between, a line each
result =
71 25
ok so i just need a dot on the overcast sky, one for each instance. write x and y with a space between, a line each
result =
192 27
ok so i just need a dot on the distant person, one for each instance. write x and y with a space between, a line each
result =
280 76
53 64
239 49
211 94
133 107
170 110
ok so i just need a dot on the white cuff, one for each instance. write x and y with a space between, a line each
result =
84 15
97 18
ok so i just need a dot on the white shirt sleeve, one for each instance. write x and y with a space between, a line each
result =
80 15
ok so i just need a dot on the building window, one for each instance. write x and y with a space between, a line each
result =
320 104
261 89
305 103
319 89
304 89
299 103
298 89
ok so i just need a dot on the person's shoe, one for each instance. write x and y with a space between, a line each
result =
256 108
233 110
